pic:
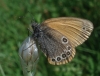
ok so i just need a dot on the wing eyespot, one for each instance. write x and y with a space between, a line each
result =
63 55
58 58
64 40
69 48
53 60
83 28
68 53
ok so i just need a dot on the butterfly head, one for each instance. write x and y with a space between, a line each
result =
36 29
34 25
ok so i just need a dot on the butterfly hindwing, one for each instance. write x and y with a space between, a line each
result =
75 29
56 46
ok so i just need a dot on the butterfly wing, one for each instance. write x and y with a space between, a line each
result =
75 29
55 46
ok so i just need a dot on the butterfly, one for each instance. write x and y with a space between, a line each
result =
58 37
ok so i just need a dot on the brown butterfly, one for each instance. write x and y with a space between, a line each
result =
58 37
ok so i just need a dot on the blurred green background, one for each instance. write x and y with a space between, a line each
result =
15 18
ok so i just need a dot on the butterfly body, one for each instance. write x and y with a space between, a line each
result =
58 37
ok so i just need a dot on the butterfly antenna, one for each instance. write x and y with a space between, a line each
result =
32 22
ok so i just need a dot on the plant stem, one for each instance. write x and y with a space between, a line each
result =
2 72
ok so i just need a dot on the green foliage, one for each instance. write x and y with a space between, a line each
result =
15 18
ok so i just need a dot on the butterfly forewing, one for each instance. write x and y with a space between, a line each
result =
75 29
56 46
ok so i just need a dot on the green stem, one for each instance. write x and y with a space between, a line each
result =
2 72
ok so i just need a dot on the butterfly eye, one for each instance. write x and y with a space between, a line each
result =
64 40
63 55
